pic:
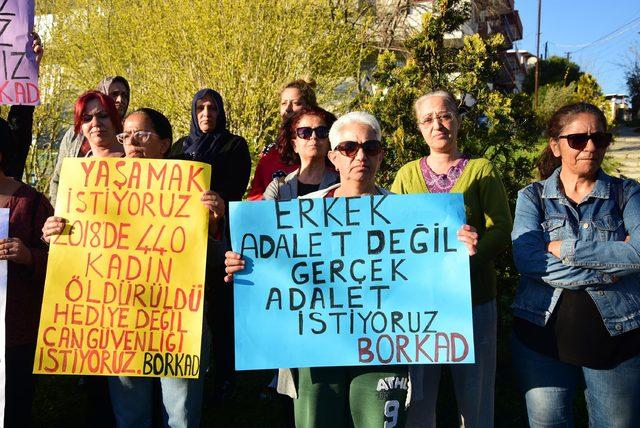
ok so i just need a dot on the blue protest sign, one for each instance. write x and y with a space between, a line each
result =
351 281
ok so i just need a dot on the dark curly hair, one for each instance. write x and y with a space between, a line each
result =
547 162
287 133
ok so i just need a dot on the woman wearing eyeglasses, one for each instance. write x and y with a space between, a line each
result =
148 134
446 169
305 141
576 244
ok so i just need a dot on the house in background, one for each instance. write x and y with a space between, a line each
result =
620 107
398 19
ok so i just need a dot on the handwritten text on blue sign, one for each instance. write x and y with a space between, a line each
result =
351 281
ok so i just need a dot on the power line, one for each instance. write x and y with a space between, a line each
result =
613 34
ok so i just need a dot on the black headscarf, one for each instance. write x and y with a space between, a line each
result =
201 146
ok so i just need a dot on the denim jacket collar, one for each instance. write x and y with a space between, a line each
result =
552 186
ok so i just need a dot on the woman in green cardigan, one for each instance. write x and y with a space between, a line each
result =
445 169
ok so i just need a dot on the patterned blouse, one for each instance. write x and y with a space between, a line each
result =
442 183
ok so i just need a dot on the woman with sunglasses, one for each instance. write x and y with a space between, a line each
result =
576 244
446 169
305 137
348 396
97 118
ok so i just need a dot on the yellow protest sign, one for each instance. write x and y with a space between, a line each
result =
125 281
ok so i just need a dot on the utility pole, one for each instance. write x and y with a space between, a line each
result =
537 71
546 50
568 55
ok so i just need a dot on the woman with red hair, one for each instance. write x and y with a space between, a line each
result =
97 118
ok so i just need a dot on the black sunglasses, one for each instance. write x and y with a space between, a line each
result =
305 132
350 148
579 141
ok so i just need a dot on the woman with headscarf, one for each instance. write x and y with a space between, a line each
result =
210 141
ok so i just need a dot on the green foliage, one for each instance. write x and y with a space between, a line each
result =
171 48
498 126
632 75
553 96
588 88
554 70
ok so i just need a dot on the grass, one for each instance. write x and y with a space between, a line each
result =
62 402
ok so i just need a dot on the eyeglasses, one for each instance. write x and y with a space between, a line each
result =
86 118
579 141
140 136
442 117
305 132
350 148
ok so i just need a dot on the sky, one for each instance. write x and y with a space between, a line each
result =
572 25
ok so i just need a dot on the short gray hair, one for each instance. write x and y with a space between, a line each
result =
448 96
360 117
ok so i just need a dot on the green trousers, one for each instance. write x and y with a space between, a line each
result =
348 397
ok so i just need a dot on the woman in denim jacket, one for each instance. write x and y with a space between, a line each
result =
576 244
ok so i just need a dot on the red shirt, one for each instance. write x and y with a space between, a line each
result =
269 167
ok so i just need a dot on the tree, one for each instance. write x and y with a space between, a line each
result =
498 126
632 75
555 95
555 70
169 49
551 98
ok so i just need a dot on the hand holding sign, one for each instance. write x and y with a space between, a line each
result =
233 263
53 226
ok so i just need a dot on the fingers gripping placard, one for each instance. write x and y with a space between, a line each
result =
125 280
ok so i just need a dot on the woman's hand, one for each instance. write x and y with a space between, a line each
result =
14 250
234 263
215 205
469 237
53 226
553 247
